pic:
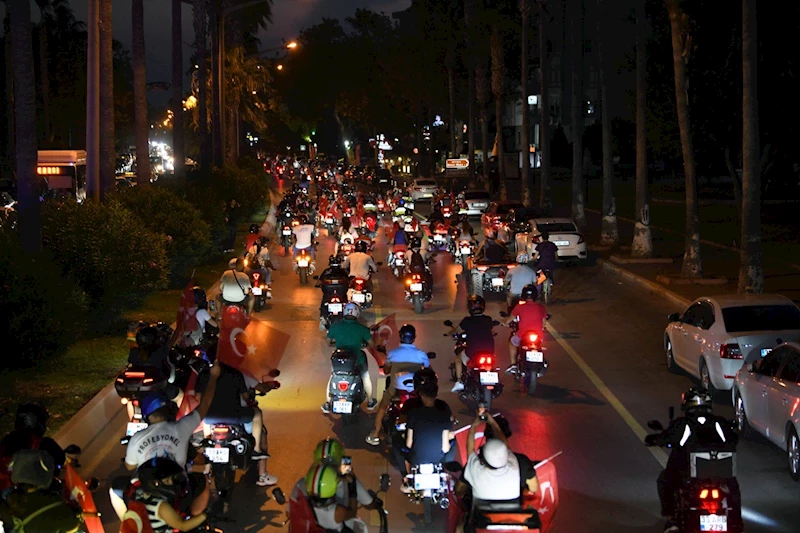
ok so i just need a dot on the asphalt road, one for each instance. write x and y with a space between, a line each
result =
606 379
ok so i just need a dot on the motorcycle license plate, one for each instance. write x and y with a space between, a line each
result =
438 237
399 262
409 228
329 220
534 356
334 309
359 298
489 378
256 291
426 481
135 427
561 243
466 251
218 455
713 522
287 232
342 407
416 287
302 263
497 282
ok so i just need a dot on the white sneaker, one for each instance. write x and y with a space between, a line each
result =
266 480
457 387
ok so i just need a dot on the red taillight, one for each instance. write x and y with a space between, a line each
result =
486 360
581 238
533 337
710 500
148 380
134 375
416 277
359 283
335 299
232 310
730 351
343 386
400 254
256 275
221 430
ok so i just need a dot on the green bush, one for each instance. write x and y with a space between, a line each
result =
210 204
106 250
247 186
162 211
43 313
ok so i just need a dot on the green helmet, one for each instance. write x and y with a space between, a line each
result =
322 481
329 449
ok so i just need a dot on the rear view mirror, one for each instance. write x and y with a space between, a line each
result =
655 425
431 355
503 314
495 323
674 317
379 263
316 277
92 483
448 323
279 496
385 482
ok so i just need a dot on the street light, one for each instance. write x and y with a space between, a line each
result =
279 67
292 45
347 144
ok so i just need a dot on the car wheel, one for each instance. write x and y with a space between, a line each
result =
742 425
705 378
671 366
793 453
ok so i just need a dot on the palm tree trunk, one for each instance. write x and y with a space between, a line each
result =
179 159
25 132
9 68
526 177
200 31
545 196
642 246
140 95
692 264
108 152
216 83
482 93
44 74
498 73
609 233
751 272
576 42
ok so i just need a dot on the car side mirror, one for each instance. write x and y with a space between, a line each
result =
655 425
674 317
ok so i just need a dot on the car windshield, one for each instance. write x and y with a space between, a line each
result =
761 318
476 195
557 227
426 183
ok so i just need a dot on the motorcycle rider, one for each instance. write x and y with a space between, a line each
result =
480 338
251 237
397 241
30 425
334 272
304 235
151 351
698 427
202 316
491 249
518 278
350 334
530 315
346 231
227 407
360 264
258 256
335 498
418 265
546 257
234 287
400 363
437 216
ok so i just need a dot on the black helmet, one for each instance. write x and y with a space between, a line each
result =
334 261
361 246
529 293
425 379
147 339
200 298
476 305
415 242
696 399
164 333
33 417
163 478
303 219
262 241
408 334
253 228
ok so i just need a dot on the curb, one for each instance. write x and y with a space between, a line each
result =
645 284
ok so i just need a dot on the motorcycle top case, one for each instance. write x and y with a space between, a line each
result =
344 362
133 380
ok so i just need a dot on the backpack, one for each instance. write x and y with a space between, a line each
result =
19 525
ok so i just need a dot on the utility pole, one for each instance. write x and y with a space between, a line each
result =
93 101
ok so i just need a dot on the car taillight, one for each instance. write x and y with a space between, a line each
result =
581 238
343 386
730 351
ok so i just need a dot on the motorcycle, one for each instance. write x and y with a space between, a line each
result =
398 261
359 294
260 289
440 237
464 251
417 291
304 264
707 498
330 222
132 384
530 361
481 372
286 239
346 388
430 485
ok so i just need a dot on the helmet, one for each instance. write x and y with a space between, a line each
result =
200 298
32 416
164 333
494 454
32 467
522 258
303 219
351 310
154 401
329 450
334 261
253 228
262 241
415 242
425 380
147 339
529 293
162 477
361 246
408 334
476 305
696 398
321 481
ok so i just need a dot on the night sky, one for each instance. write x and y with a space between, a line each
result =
289 17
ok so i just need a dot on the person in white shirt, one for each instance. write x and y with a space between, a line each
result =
347 231
234 286
304 235
360 264
202 316
258 254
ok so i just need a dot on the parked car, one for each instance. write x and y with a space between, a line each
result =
716 335
476 202
765 397
565 235
424 189
383 179
496 212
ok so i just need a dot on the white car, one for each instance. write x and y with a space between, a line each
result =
565 235
476 202
765 398
716 335
424 189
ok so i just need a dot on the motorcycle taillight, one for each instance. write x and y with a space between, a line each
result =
343 386
710 500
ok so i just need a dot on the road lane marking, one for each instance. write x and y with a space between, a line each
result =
637 428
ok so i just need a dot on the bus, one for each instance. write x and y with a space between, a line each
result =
63 173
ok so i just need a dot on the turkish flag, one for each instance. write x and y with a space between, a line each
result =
76 489
385 333
186 320
250 345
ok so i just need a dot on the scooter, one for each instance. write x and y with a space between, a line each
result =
346 388
359 294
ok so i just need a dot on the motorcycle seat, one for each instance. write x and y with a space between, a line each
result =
498 506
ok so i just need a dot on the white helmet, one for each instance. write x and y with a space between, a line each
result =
522 257
232 263
495 453
351 309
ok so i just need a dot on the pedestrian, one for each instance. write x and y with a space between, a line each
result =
232 219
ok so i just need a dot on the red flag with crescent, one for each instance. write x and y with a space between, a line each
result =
186 321
385 333
250 345
76 489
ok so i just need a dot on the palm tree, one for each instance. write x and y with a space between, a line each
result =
108 153
751 272
576 42
25 130
527 180
469 9
609 233
179 157
681 46
200 34
498 74
45 11
642 246
450 65
545 196
482 91
140 95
